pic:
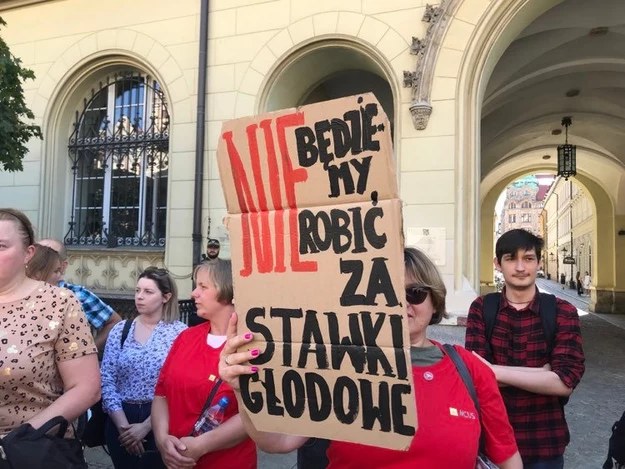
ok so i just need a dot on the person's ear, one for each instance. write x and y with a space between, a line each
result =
166 297
64 265
496 264
30 252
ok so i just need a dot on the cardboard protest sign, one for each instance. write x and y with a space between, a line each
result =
317 256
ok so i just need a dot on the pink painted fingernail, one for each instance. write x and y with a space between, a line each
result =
248 336
255 352
254 369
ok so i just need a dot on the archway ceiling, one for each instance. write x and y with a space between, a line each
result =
526 95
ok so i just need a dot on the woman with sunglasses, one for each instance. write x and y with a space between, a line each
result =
131 367
448 433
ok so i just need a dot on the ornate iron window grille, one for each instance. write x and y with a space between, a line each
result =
119 153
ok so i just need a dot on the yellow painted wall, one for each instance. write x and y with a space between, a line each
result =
250 43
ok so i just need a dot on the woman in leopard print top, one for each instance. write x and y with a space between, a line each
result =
48 362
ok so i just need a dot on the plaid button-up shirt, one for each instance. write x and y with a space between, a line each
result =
96 310
518 339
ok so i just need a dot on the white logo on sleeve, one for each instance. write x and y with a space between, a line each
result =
462 413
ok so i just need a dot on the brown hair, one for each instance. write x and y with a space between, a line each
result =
166 284
57 245
220 273
43 263
24 226
422 270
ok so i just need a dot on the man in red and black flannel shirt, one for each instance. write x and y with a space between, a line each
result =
533 381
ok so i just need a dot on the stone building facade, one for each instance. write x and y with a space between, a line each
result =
131 97
523 205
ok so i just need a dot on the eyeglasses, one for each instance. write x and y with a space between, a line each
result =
415 295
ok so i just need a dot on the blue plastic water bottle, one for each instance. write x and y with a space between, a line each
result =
211 417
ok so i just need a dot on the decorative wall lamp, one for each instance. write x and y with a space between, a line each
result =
567 153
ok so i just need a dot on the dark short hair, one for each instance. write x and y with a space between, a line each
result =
511 241
212 242
24 226
166 284
421 268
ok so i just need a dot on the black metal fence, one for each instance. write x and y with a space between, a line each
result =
120 165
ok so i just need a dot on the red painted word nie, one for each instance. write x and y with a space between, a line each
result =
255 219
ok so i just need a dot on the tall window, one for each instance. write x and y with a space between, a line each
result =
526 218
512 218
512 205
119 153
526 205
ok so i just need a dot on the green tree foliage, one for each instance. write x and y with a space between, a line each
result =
15 129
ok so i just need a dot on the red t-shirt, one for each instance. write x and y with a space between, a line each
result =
448 428
186 380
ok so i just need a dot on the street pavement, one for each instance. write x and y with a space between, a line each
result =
595 405
599 400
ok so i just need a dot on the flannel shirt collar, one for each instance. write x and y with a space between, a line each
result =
534 305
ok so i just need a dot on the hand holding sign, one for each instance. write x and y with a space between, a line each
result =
232 364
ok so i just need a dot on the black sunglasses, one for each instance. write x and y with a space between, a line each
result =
417 295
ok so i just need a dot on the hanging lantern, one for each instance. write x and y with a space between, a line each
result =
567 153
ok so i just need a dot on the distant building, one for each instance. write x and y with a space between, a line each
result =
523 206
570 220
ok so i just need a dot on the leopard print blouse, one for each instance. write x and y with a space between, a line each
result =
36 332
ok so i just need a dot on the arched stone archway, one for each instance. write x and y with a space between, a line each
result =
477 34
328 69
363 42
604 262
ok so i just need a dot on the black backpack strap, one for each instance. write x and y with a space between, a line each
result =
548 310
125 332
464 373
490 308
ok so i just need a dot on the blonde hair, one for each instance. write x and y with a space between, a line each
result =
422 270
166 284
220 273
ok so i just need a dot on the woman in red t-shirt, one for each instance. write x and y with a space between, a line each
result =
189 379
448 433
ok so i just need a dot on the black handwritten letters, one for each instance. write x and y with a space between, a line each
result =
314 192
348 141
323 346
